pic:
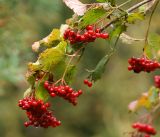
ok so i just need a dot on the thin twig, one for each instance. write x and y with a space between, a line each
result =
129 11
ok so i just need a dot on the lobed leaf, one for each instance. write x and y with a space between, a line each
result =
49 58
52 39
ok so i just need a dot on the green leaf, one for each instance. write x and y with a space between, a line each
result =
100 68
91 16
134 17
52 39
49 58
71 70
40 91
30 77
115 33
59 71
148 100
152 49
153 95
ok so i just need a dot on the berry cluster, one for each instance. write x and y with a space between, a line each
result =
144 128
88 36
65 92
157 81
142 64
38 113
88 83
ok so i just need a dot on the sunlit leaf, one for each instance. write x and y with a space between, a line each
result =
52 39
91 16
40 91
49 58
132 17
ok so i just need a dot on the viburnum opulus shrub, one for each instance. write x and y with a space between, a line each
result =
52 74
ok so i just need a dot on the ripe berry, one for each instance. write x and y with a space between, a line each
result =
89 27
157 81
104 35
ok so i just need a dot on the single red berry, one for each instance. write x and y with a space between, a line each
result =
104 35
89 27
85 81
89 84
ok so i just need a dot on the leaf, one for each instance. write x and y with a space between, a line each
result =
115 33
153 95
91 16
30 77
148 100
40 91
52 39
152 49
60 69
78 7
100 68
132 17
49 58
71 70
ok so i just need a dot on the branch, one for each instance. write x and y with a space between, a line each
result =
129 11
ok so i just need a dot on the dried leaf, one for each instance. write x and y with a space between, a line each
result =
78 7
128 39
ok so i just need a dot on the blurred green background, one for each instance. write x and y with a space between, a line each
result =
102 110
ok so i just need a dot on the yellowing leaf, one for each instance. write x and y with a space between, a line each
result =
49 58
52 39
135 16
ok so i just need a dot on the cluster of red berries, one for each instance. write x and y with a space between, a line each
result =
65 92
89 35
157 81
38 113
142 64
88 83
144 128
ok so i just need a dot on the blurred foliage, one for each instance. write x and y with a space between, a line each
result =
101 112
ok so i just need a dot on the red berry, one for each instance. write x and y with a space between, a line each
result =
89 27
104 35
89 84
86 81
